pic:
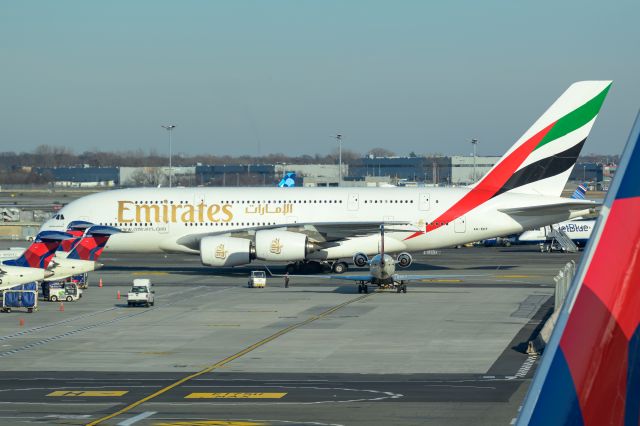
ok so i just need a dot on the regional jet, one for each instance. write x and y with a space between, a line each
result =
233 226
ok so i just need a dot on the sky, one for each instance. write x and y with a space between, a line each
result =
259 77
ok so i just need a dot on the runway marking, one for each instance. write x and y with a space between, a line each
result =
88 393
136 419
228 359
92 326
236 395
452 280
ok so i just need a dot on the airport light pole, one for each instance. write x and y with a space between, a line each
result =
169 128
338 137
474 142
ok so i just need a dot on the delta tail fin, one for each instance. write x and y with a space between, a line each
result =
541 161
590 370
92 243
40 252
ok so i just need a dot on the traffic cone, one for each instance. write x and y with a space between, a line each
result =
118 295
61 309
100 282
21 322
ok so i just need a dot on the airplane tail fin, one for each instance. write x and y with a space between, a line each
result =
76 228
590 371
580 192
541 161
40 252
288 181
92 243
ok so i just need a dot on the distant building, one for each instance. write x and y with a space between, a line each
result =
417 169
587 172
462 168
81 176
236 175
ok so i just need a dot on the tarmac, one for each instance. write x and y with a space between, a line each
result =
214 352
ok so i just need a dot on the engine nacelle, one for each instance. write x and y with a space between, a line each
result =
282 245
360 259
404 260
226 251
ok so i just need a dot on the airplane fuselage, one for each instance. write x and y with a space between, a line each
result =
157 220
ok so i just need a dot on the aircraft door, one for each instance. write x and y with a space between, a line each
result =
423 201
460 224
354 202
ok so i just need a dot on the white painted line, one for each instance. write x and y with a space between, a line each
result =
137 418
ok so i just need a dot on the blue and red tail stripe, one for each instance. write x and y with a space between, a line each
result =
40 252
590 372
92 244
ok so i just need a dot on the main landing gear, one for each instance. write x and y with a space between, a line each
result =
401 288
363 288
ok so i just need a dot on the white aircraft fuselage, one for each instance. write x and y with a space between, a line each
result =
162 220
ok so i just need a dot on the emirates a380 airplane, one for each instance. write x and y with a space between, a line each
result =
233 226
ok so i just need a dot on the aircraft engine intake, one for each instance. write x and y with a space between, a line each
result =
226 251
360 259
282 245
404 260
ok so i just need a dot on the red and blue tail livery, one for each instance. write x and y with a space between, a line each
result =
590 372
40 252
91 244
76 228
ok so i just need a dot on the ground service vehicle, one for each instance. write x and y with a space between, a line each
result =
58 291
257 279
141 293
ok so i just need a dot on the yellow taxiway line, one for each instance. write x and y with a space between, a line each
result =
227 360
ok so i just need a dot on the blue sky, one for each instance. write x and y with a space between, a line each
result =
249 77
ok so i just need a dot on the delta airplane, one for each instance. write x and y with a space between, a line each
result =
32 264
56 255
233 226
590 371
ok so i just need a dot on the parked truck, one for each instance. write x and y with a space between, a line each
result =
141 293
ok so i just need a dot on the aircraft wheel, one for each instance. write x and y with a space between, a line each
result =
340 267
404 288
359 288
365 288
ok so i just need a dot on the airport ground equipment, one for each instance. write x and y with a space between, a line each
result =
257 279
81 280
559 241
22 296
58 291
141 293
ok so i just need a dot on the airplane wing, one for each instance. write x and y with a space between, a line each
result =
551 209
318 232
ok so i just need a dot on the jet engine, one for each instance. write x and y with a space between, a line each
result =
404 260
360 259
282 245
226 251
